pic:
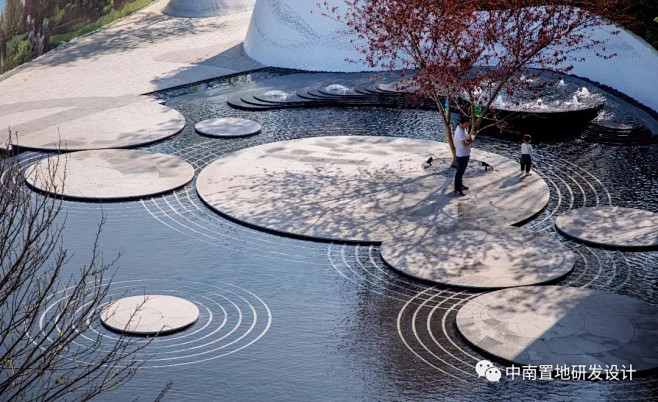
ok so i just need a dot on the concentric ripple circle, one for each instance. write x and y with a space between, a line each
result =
231 318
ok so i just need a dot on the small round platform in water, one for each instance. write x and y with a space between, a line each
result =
479 258
611 226
555 325
149 315
109 174
227 127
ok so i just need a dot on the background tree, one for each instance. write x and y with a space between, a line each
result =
465 53
3 43
12 19
40 358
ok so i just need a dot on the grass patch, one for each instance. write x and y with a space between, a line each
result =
60 39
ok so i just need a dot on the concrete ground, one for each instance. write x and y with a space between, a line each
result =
144 52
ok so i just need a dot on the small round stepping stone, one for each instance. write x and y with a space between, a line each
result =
149 315
109 174
479 258
555 325
227 127
611 226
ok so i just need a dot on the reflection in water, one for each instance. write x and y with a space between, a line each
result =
344 325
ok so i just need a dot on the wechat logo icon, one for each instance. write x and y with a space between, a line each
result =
486 369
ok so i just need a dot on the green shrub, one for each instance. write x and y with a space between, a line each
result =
112 14
19 51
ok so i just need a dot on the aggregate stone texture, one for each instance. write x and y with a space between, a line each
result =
611 226
554 325
363 188
496 257
119 125
149 315
112 174
227 127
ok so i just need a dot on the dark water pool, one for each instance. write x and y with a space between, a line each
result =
286 319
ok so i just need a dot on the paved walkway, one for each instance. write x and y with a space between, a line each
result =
364 188
144 52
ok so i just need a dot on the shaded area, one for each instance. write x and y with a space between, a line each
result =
554 325
90 123
206 8
493 257
109 175
363 189
611 226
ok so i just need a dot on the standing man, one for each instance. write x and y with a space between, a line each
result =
463 143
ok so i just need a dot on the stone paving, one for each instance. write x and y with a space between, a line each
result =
144 52
85 95
227 127
363 188
149 315
107 123
611 226
113 174
553 325
495 257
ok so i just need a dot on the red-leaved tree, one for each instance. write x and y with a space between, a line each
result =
465 53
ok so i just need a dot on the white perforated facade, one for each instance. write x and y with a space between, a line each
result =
294 34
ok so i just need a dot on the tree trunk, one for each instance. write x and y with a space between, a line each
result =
445 117
451 144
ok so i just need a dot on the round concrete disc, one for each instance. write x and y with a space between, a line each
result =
479 258
128 125
363 188
611 226
109 174
554 325
149 315
228 127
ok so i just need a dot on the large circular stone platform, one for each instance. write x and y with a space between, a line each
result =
363 188
228 127
149 315
611 226
110 174
479 258
119 126
555 325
